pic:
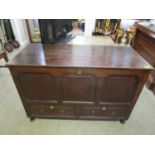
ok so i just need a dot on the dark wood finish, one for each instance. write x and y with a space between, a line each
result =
79 82
106 111
78 88
114 57
38 87
144 44
112 90
52 111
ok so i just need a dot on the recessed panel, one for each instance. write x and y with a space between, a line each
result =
76 89
38 86
118 89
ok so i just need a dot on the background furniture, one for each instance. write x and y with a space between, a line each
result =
79 82
122 36
144 44
119 34
33 30
130 34
106 26
7 37
55 31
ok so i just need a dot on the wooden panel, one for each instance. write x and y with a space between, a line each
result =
144 44
52 111
104 111
141 49
79 56
37 86
118 89
78 88
50 84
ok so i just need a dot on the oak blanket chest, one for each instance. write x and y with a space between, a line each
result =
79 81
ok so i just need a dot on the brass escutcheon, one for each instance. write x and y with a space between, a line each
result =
93 111
104 108
79 71
51 107
113 112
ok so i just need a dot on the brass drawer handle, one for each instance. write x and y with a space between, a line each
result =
79 71
104 108
93 111
113 112
51 107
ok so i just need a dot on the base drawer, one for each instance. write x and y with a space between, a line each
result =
52 111
104 111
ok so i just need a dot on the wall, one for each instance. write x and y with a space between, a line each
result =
21 34
20 31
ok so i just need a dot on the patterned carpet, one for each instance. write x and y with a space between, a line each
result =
13 119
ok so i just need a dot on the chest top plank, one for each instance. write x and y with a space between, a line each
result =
90 56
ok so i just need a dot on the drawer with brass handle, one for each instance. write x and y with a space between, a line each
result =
52 110
103 111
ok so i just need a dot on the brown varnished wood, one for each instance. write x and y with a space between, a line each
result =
38 87
78 88
106 111
79 56
78 81
54 111
144 44
112 90
147 29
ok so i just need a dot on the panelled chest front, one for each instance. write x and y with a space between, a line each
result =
79 82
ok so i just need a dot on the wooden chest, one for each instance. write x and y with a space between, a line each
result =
144 44
79 82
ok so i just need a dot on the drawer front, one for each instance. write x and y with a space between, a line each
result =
104 111
52 111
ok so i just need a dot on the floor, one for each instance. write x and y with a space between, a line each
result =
95 40
13 119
